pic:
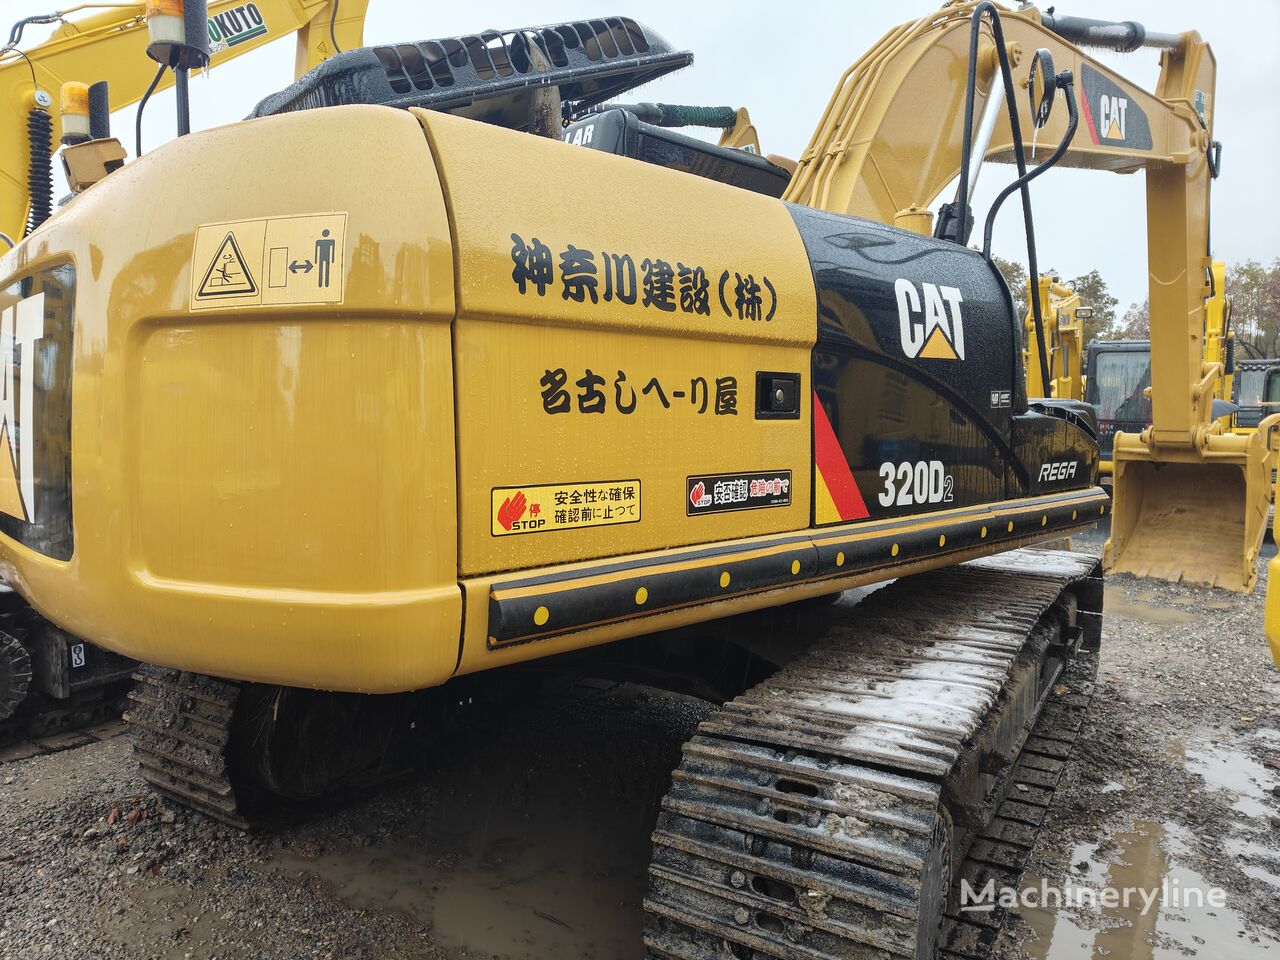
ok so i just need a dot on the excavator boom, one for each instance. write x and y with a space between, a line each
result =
890 141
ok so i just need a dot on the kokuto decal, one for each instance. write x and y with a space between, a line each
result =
836 495
549 507
233 27
655 284
715 395
717 493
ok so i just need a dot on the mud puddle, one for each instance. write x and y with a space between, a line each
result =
516 887
1158 909
1137 606
1227 767
535 845
1134 895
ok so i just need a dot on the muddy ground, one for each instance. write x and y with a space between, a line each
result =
528 840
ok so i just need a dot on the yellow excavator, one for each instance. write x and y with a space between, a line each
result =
349 439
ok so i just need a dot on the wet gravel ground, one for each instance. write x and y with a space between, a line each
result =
1181 748
529 838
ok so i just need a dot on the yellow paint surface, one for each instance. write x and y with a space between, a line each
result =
553 385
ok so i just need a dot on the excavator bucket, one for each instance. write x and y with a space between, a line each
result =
1191 515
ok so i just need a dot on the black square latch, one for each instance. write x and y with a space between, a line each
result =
777 396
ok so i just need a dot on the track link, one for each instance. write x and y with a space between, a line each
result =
818 815
180 724
1002 850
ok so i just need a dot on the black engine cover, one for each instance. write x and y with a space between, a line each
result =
918 372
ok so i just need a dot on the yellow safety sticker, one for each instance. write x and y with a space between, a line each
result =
564 506
277 261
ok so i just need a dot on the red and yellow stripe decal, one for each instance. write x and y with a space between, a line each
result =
836 497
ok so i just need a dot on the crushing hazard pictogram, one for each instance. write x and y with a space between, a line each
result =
276 261
228 274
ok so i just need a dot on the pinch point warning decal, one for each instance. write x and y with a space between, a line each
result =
564 506
277 261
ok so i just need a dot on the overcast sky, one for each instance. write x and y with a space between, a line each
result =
782 61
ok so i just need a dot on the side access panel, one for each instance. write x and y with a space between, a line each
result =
618 327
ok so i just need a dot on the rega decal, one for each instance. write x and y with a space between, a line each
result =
1062 470
915 482
930 322
235 26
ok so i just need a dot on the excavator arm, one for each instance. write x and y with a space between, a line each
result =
108 44
1064 314
891 140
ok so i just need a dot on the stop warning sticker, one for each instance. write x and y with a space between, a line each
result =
564 506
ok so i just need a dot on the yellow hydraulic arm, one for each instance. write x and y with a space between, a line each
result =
1272 616
1064 317
1217 332
108 44
1190 502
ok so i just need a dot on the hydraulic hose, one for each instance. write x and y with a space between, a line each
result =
989 9
1064 81
40 168
142 105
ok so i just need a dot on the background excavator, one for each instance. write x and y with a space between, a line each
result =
102 47
454 397
1063 315
1119 381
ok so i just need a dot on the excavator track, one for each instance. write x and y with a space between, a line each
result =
180 724
47 726
56 691
1000 853
819 814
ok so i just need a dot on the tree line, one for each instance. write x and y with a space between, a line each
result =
1254 289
